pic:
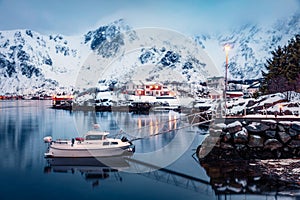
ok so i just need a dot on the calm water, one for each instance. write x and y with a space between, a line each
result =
25 174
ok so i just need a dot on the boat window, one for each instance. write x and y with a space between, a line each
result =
105 143
93 137
114 142
61 142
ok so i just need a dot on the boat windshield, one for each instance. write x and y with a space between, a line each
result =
95 137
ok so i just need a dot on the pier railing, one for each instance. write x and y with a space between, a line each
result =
172 177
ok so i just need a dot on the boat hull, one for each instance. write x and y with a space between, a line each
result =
55 152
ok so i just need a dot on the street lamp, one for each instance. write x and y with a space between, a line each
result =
226 48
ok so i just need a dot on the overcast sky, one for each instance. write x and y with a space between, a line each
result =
71 17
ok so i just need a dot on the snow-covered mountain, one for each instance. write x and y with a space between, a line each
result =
31 62
251 45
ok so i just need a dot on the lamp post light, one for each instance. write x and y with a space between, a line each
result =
226 48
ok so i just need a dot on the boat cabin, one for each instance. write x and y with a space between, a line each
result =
95 135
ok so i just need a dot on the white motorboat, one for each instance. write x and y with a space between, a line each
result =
93 144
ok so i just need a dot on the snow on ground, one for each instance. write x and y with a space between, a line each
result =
265 105
81 100
105 95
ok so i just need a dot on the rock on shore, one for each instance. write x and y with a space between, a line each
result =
266 139
254 157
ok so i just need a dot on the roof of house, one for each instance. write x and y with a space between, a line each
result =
215 78
140 82
254 85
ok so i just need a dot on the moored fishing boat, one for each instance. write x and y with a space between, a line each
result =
93 144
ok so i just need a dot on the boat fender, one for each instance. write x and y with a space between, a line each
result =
47 139
79 139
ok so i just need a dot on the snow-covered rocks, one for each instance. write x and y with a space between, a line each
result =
254 140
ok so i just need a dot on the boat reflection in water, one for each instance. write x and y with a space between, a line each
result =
93 169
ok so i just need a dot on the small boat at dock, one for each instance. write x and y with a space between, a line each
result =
93 144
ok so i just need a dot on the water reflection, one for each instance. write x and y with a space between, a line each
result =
93 170
157 125
137 125
141 126
20 126
244 177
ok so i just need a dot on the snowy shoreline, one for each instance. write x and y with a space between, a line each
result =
266 139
